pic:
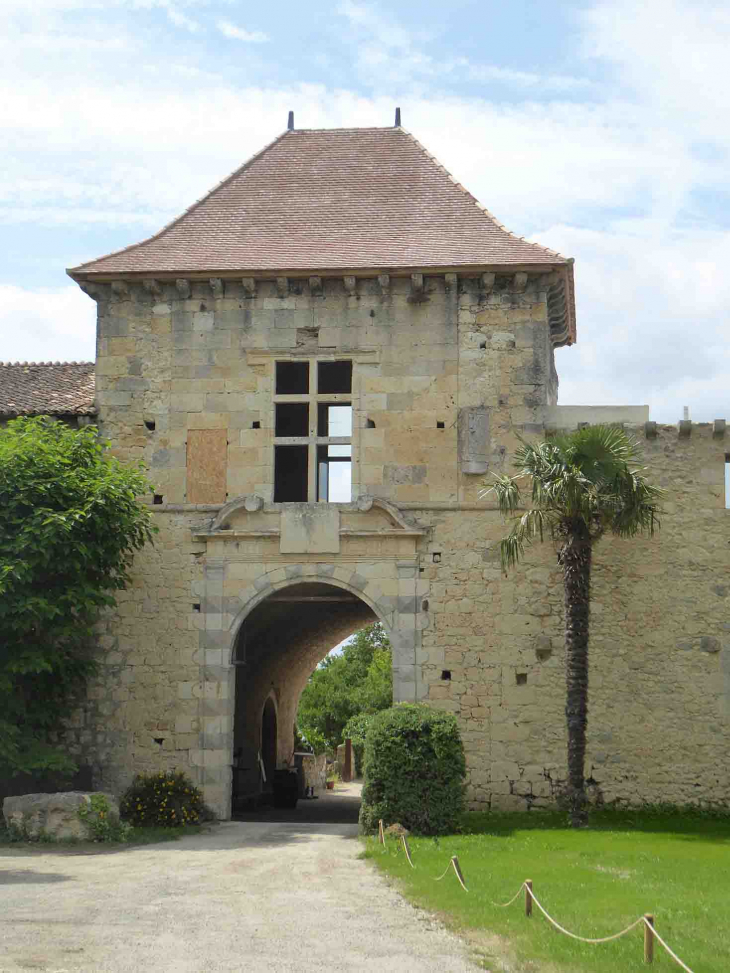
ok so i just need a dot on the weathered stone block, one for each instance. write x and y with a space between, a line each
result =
53 814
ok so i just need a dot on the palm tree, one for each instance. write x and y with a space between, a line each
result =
583 485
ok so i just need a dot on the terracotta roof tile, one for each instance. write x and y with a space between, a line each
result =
47 388
330 199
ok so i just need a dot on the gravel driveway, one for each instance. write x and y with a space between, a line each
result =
246 896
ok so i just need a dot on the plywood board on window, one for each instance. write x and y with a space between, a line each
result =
207 465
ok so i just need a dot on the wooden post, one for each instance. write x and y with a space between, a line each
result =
528 897
381 833
649 938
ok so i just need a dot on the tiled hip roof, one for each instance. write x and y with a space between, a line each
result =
336 199
46 388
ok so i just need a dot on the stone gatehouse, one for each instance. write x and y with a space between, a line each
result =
321 362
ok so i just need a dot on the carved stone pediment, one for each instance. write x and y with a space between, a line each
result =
309 528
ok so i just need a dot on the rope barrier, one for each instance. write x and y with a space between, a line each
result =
670 951
582 939
407 850
454 863
503 905
650 932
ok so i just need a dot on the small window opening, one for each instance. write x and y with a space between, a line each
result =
521 678
292 419
727 481
159 740
424 605
196 607
440 425
256 424
437 557
150 424
446 675
158 498
290 474
334 377
334 420
482 345
369 424
292 377
334 474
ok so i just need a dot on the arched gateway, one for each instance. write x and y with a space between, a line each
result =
280 625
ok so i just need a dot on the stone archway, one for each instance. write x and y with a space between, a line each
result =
277 646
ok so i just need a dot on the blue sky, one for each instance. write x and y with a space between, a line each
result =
598 128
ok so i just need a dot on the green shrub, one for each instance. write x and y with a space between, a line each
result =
356 729
168 799
414 771
102 824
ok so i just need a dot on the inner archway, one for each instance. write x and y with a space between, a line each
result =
278 645
269 739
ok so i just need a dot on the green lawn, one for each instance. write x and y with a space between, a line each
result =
594 882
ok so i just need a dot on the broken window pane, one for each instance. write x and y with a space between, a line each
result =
292 377
290 473
292 419
334 420
334 377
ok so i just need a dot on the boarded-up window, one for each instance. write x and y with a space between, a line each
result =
207 463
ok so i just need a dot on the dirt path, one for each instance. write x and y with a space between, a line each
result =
250 896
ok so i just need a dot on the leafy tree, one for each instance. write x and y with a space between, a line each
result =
69 525
582 486
358 680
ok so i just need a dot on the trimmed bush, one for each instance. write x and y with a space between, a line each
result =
414 771
168 799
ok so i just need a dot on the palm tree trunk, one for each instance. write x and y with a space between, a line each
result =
575 558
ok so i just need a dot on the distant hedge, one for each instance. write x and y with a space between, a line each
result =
414 771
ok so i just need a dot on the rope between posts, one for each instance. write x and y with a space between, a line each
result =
503 905
670 951
453 863
582 939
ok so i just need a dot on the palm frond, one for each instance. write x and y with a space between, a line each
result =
533 523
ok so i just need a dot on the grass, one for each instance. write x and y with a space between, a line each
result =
135 837
593 881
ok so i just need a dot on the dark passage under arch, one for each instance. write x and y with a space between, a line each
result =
278 646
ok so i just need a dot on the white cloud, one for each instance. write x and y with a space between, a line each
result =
82 148
386 53
46 325
238 33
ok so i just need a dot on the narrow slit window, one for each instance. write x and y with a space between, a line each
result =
292 377
334 377
290 473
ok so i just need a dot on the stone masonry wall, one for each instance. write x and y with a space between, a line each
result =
200 355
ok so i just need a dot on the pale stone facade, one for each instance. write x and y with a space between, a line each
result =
447 370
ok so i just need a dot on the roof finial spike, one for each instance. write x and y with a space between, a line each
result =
397 118
290 122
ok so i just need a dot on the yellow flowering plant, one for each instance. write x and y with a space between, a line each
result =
166 799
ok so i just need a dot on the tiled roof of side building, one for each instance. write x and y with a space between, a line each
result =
47 388
330 199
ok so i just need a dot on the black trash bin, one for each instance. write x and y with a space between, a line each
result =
285 786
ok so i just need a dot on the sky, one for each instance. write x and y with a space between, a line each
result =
599 129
